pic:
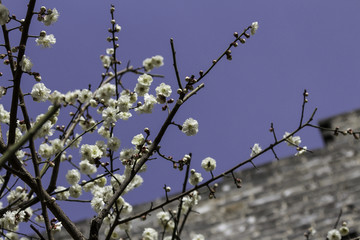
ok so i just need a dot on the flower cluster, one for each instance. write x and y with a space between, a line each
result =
155 61
195 177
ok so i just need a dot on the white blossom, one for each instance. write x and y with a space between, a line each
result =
254 27
12 236
4 115
51 17
97 204
292 140
141 90
147 107
45 150
191 200
4 14
18 193
73 176
101 182
127 154
117 28
165 220
9 220
2 91
344 230
104 132
190 127
150 234
124 103
106 91
113 143
57 227
75 191
26 64
56 97
85 96
155 61
197 237
46 41
88 186
71 97
87 168
208 164
110 51
333 234
109 115
64 195
138 140
76 143
255 150
90 152
301 150
116 180
106 60
195 177
145 80
164 90
40 93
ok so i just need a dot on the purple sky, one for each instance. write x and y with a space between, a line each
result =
299 44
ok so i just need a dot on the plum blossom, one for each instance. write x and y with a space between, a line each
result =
51 17
197 237
4 115
155 61
138 140
147 107
145 80
301 150
190 127
292 140
45 40
195 177
208 164
73 176
165 220
75 191
40 93
62 195
106 60
150 234
141 90
333 234
4 14
255 150
87 168
254 27
162 92
26 64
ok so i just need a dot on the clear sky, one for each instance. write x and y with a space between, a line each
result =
300 45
